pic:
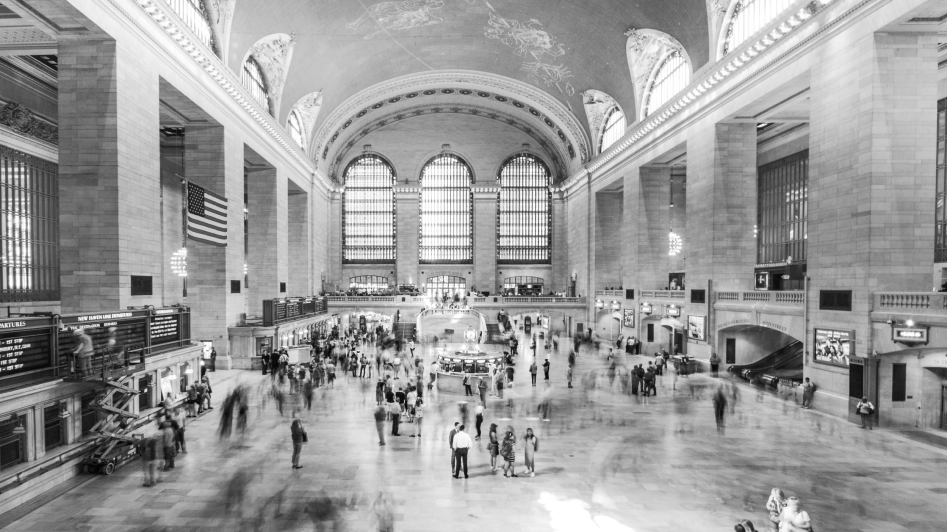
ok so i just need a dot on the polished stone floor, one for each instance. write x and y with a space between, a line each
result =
606 461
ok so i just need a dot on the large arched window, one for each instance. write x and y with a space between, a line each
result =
669 79
613 129
523 211
252 79
296 129
446 211
368 211
748 17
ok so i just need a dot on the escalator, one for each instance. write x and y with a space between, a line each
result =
784 364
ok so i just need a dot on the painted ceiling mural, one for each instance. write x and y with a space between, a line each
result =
561 47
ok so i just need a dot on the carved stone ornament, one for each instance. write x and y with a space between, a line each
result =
273 54
645 49
597 104
22 120
308 108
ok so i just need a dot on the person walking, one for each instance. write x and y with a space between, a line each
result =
569 376
467 390
394 410
299 438
714 364
546 368
808 388
148 450
508 452
720 405
169 428
482 388
532 371
461 444
380 423
418 417
635 381
493 446
649 380
532 445
865 409
479 418
450 444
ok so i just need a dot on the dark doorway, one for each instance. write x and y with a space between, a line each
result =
650 332
731 350
856 381
943 408
678 341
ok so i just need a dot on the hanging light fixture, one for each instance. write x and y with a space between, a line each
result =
64 411
675 243
179 262
17 426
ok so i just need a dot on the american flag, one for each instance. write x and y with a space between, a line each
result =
206 216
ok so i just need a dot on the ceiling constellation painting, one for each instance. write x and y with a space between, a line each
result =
384 17
530 40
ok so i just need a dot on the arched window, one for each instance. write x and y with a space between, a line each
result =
446 211
296 129
368 211
524 212
669 79
252 80
368 283
440 285
193 14
749 17
613 129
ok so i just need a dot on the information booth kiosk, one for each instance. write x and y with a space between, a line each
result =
453 367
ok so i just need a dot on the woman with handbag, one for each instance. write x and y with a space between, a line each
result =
299 438
493 446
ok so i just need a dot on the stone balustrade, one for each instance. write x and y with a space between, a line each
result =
620 294
912 301
662 295
794 298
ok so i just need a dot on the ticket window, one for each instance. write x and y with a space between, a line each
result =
481 366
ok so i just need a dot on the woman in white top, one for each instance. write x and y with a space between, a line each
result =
792 519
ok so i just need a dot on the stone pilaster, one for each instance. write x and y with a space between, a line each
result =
560 251
485 238
721 206
408 213
334 237
213 159
653 225
607 244
299 256
109 182
268 234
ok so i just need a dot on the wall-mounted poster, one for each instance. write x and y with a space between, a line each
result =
676 281
697 327
833 346
628 318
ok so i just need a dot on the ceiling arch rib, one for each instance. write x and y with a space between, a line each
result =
462 89
551 147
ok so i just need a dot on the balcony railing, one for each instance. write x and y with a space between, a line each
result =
192 13
490 300
620 294
662 295
777 298
909 301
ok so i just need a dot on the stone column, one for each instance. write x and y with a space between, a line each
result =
300 258
485 238
653 225
721 207
334 236
408 213
267 204
871 182
560 250
109 175
213 159
607 246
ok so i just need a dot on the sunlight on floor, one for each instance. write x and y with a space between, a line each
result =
573 515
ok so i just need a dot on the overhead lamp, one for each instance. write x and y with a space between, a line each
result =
187 368
599 304
909 323
616 305
64 411
17 426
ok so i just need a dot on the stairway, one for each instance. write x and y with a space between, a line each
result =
405 331
495 334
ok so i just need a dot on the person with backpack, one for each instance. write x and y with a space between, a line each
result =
865 409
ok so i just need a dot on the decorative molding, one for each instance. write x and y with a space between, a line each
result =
473 110
646 48
273 53
21 119
509 91
24 37
716 12
597 104
9 152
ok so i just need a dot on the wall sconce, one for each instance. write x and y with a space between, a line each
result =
187 368
646 308
599 304
616 305
674 311
64 411
17 426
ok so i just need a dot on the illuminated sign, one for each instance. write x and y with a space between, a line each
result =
763 281
909 335
674 312
646 308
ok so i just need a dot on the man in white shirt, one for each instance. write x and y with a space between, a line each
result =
461 444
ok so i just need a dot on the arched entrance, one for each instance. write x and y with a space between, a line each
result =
450 285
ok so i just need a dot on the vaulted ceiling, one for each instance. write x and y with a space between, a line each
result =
523 62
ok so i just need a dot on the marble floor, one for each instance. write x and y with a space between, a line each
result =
606 461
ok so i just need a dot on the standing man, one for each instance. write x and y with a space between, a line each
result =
532 370
635 380
394 409
83 352
546 368
714 364
569 376
482 388
467 390
461 444
450 443
720 405
807 390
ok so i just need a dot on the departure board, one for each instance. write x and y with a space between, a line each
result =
278 310
129 334
165 329
24 351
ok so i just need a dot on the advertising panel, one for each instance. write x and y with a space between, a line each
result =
834 346
628 318
697 328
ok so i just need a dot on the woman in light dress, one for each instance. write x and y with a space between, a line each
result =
532 445
793 519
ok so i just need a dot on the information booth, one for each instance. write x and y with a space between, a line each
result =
453 367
